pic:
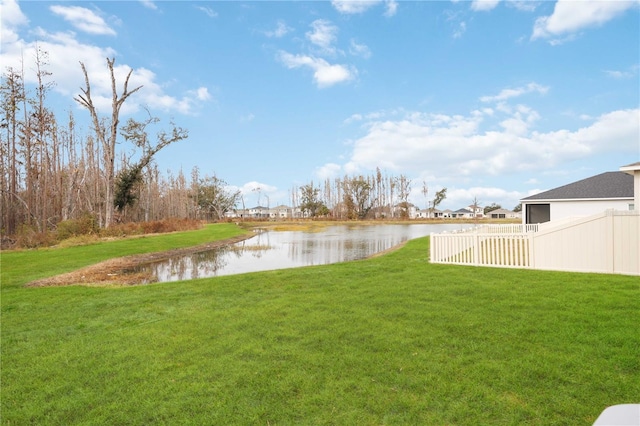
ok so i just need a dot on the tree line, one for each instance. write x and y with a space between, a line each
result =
375 196
51 172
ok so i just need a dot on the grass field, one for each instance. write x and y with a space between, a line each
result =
387 340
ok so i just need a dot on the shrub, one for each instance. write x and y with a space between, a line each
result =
86 225
29 237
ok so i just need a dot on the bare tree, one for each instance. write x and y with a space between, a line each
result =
475 205
425 192
107 133
404 189
12 95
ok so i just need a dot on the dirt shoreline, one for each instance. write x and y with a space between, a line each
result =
111 272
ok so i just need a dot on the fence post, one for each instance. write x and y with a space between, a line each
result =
610 240
531 246
476 249
431 247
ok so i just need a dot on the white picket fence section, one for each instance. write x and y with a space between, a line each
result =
608 242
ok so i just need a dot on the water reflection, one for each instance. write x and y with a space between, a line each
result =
271 250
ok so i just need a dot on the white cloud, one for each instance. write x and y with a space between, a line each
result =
571 16
247 118
255 188
392 8
64 53
357 49
625 74
202 94
328 171
281 30
208 11
149 4
11 19
460 30
325 74
484 5
351 7
324 34
456 147
524 5
464 197
519 91
83 19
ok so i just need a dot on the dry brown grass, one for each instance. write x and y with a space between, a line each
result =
115 271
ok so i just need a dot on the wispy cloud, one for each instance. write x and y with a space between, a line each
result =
518 91
280 31
83 19
622 75
460 30
358 49
323 35
207 11
149 4
392 8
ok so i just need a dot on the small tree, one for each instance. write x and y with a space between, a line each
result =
492 207
214 196
357 197
310 200
438 198
130 177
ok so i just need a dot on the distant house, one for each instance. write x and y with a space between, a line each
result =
609 190
446 213
259 212
423 214
462 214
280 212
503 214
476 210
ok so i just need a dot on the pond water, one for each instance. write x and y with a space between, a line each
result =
269 250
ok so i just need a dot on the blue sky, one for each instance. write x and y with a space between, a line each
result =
494 100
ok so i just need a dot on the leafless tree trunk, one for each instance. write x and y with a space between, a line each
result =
12 94
107 140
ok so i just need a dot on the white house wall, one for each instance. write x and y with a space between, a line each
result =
561 209
564 209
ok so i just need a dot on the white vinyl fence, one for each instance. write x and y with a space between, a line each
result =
608 242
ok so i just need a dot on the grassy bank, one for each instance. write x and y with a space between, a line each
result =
388 340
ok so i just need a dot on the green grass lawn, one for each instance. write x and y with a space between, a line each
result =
387 340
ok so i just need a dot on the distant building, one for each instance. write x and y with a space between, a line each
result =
503 214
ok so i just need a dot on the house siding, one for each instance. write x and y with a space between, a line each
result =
564 209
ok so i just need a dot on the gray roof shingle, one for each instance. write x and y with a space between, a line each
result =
604 185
